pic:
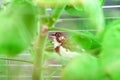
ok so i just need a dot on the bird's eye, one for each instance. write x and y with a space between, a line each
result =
61 38
57 34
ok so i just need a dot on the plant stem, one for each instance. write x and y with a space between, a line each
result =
39 51
45 22
38 47
57 11
16 60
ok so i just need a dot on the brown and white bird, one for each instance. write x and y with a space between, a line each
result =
58 39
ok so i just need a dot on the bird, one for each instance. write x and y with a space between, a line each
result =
58 40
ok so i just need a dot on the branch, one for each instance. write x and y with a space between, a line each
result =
57 11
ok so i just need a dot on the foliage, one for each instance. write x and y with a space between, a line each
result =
16 36
26 24
109 56
83 67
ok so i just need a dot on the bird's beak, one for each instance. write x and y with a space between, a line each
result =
51 36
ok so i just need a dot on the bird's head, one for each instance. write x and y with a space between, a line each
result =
58 38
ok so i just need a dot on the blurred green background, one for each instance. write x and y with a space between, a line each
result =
15 70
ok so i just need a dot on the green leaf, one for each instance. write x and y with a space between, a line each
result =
18 25
86 40
75 12
102 2
94 12
90 9
110 55
83 67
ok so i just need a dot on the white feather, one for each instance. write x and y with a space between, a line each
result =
65 53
